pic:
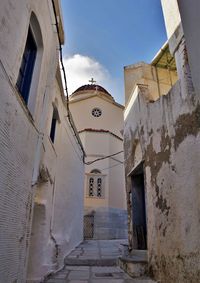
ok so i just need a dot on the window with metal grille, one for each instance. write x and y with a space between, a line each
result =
99 187
91 187
27 66
95 184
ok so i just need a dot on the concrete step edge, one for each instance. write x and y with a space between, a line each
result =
91 262
133 259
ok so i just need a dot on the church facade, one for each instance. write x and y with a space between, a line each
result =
99 121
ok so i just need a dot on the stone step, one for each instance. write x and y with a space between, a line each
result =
135 264
90 262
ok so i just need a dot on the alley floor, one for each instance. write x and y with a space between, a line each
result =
95 262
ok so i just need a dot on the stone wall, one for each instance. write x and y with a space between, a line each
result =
168 133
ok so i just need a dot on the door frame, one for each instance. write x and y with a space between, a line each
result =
137 170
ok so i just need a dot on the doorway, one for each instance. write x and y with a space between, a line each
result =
139 209
88 227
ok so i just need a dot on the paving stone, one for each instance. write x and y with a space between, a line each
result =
79 268
77 274
101 269
108 256
61 275
88 257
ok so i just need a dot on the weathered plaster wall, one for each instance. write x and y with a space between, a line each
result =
158 80
169 135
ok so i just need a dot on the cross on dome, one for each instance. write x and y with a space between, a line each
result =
92 81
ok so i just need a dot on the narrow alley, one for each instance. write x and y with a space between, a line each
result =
99 141
95 261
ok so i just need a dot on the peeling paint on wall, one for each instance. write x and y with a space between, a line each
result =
169 133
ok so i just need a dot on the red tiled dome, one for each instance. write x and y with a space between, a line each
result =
91 87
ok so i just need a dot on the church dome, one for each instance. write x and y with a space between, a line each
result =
90 90
91 87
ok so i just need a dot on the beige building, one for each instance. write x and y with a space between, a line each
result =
99 120
161 142
41 198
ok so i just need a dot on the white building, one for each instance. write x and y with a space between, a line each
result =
41 198
99 120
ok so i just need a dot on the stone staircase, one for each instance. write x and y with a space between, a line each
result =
103 261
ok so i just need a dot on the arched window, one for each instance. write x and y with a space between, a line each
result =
29 71
95 184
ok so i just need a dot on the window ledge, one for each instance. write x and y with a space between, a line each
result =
95 197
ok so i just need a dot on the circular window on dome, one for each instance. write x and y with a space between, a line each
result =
96 112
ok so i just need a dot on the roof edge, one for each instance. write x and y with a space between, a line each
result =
100 131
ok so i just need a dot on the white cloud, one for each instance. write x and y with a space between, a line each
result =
80 69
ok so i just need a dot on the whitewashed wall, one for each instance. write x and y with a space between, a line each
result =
23 150
58 209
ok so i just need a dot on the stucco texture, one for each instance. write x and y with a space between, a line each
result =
38 179
168 133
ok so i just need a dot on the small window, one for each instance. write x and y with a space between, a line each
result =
96 112
54 120
99 187
95 184
27 66
91 187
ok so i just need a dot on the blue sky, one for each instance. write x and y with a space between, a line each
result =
103 36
